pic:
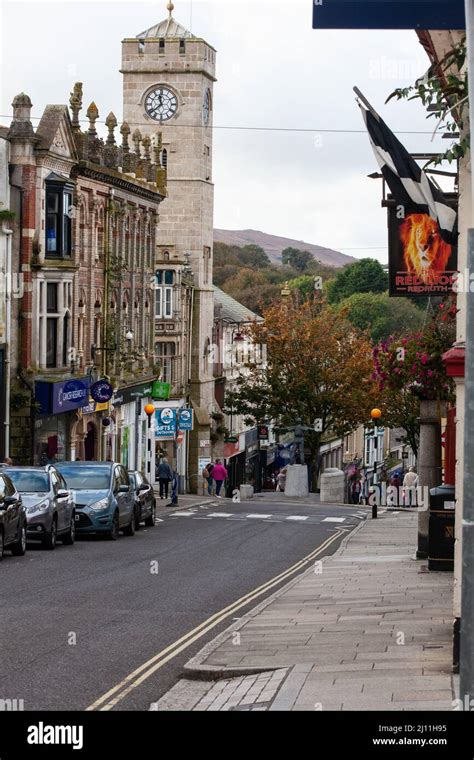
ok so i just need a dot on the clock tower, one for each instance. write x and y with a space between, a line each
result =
168 79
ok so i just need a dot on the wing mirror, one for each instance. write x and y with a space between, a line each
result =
143 487
63 494
124 489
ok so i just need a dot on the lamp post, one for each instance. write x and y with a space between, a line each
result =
375 415
149 411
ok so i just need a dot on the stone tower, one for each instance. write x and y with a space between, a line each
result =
168 79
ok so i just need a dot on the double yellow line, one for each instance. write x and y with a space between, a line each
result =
117 693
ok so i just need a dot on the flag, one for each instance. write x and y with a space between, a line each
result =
407 182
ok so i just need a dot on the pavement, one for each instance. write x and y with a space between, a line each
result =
367 628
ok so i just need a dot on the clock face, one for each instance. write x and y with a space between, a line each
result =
206 107
161 104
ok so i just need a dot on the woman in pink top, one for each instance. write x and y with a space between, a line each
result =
219 473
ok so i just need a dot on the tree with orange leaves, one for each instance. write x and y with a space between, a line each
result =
317 368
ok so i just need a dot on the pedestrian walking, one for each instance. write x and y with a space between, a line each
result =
394 490
281 479
207 475
355 491
219 474
165 476
410 482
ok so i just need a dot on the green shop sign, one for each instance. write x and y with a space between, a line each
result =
160 390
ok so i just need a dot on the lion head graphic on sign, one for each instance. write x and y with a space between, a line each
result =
425 253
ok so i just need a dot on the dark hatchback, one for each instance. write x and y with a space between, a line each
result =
145 502
12 519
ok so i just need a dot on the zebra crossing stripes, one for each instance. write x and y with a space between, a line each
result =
265 517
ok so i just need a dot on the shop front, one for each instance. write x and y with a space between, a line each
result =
126 437
59 403
234 458
172 425
254 460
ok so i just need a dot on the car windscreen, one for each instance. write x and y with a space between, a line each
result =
28 481
86 478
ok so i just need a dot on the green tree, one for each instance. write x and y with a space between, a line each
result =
381 315
365 276
317 367
297 259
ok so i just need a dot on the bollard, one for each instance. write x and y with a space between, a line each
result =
374 511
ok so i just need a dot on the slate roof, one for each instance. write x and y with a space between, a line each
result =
167 28
232 309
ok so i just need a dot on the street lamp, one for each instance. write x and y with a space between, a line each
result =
149 410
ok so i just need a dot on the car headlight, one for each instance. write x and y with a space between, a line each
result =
98 505
41 507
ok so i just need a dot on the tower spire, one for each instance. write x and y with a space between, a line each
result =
170 8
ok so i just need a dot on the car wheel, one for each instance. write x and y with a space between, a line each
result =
19 548
138 516
114 531
130 529
70 536
50 541
150 521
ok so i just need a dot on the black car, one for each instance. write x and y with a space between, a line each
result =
145 503
12 519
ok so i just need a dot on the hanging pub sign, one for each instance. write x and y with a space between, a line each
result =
388 14
420 262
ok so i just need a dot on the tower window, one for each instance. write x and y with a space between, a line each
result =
161 45
182 46
141 46
164 158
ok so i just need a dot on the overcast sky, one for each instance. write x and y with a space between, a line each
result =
273 71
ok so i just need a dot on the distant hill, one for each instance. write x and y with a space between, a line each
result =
273 245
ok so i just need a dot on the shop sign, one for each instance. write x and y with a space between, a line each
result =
127 395
388 14
65 396
101 391
165 423
186 418
160 390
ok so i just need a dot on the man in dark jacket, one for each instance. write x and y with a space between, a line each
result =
165 476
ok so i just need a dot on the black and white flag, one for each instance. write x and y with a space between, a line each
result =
408 183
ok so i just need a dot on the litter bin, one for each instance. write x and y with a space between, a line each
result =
441 528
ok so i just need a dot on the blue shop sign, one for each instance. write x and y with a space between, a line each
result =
388 14
185 419
101 391
165 423
65 396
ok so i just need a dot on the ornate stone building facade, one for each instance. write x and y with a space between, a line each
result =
87 212
168 80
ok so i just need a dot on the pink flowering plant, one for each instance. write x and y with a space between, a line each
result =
410 368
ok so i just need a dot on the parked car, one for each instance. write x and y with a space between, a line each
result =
145 502
49 504
103 497
12 518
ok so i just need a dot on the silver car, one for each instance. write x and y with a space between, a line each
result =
49 504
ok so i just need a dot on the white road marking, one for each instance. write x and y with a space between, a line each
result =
298 517
182 514
220 514
262 517
157 520
334 519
